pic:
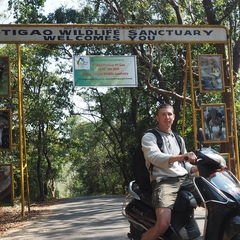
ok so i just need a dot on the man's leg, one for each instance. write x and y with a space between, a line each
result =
163 221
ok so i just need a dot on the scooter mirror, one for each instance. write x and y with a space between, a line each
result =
200 137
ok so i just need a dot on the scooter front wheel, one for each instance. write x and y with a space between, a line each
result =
237 237
131 237
136 231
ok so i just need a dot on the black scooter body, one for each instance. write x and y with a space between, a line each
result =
220 193
142 216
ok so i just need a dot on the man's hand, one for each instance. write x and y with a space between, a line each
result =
189 157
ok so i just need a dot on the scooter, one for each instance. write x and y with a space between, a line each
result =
219 190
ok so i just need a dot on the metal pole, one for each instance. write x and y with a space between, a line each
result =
20 120
194 118
185 92
26 163
235 135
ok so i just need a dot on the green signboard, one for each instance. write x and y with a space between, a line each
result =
105 71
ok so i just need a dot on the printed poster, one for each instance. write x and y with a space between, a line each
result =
105 71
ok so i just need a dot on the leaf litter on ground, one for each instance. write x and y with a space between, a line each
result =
11 217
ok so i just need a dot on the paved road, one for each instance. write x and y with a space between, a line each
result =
97 218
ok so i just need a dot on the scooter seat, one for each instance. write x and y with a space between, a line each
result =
145 196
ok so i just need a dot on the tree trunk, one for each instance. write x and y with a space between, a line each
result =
39 166
48 174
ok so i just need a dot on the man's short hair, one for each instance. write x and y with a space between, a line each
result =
164 105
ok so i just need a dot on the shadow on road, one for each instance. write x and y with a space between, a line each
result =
77 218
97 218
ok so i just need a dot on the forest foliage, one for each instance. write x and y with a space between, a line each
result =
81 141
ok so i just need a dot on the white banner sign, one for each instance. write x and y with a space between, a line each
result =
107 34
105 71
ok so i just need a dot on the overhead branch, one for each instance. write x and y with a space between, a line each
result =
116 10
164 92
177 11
154 70
147 60
211 17
228 10
236 58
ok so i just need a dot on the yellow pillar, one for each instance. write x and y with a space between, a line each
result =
20 119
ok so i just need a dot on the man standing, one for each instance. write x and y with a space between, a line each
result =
170 169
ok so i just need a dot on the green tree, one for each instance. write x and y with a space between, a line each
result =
118 119
47 102
121 115
151 57
174 12
26 11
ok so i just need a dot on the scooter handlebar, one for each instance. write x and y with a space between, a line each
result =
186 158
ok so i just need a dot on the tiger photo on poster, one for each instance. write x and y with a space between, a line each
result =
210 70
214 122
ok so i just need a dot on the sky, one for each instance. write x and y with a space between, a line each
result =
50 6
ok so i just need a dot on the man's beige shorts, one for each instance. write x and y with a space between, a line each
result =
165 192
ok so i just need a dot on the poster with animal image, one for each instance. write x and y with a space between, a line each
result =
4 77
210 70
5 130
6 185
214 122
